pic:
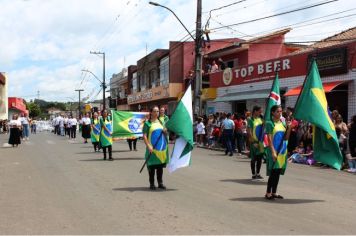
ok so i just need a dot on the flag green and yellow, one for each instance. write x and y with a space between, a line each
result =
181 123
312 107
128 124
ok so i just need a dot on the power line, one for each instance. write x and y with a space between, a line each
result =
300 24
274 15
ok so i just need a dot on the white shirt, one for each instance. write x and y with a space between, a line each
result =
72 121
15 123
24 120
86 121
201 128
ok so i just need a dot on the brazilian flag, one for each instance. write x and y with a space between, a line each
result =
128 124
312 107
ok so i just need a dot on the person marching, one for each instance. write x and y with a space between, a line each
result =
163 117
156 148
255 135
95 132
86 125
15 131
276 152
106 134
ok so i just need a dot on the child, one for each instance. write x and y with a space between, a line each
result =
309 155
200 131
298 154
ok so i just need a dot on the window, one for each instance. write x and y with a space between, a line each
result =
164 71
134 82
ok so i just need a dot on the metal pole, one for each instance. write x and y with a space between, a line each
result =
79 90
104 86
198 62
103 82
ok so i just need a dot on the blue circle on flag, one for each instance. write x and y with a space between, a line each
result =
259 133
278 142
134 125
158 140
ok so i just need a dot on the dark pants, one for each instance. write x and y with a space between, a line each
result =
151 173
73 131
110 151
273 181
240 141
256 163
132 141
228 136
96 146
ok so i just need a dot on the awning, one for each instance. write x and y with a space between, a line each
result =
327 88
243 96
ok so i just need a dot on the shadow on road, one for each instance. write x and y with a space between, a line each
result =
141 189
276 201
245 181
118 159
121 151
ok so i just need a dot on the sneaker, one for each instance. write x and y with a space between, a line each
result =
152 187
353 170
253 176
259 176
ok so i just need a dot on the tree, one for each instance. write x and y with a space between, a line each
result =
34 109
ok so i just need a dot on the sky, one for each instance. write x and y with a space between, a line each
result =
45 44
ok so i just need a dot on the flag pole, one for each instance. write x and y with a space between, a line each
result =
159 137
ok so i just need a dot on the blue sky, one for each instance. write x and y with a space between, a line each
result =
45 44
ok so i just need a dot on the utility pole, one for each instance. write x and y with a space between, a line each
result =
103 82
198 62
79 90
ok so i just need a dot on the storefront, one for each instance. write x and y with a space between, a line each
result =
160 96
243 87
17 106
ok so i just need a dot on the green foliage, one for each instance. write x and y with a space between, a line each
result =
34 109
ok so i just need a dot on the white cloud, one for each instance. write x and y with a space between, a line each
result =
45 44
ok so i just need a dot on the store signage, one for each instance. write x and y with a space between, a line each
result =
331 62
146 95
262 69
151 94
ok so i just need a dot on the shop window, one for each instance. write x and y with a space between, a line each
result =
230 64
164 71
134 82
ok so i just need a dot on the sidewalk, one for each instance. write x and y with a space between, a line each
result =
245 155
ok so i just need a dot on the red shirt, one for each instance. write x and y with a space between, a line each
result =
238 124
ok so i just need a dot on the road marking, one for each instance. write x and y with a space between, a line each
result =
50 142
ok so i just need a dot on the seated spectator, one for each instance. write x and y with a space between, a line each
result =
309 155
297 156
303 156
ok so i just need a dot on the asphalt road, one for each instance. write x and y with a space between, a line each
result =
52 185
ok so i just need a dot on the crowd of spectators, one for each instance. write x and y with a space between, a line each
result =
208 132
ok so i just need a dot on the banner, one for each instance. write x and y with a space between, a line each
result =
128 124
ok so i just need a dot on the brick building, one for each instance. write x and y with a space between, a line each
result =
244 86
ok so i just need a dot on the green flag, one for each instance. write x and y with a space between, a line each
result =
274 98
312 107
181 123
